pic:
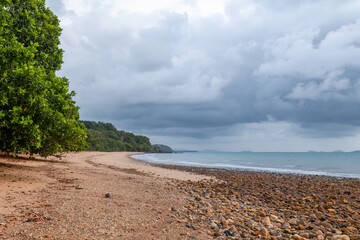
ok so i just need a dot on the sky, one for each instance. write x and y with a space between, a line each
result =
230 75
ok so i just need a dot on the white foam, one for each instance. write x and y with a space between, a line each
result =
152 158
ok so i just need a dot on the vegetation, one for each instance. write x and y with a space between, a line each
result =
160 148
37 113
106 138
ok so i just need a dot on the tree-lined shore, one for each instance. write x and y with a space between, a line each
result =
37 112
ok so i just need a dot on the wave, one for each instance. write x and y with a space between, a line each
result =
287 169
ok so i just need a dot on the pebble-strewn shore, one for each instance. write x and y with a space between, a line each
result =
94 195
252 205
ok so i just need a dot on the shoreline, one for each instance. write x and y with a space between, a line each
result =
281 205
65 199
189 168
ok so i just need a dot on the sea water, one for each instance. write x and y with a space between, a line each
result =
336 164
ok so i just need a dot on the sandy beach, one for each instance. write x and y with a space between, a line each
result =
65 199
95 195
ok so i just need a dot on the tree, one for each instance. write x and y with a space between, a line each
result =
105 137
37 113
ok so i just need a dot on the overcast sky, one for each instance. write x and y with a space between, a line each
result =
229 75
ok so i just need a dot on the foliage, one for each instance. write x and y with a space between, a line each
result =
105 137
37 113
160 148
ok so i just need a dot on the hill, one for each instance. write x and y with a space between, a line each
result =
106 138
160 148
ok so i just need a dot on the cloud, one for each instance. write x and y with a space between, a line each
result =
296 54
197 69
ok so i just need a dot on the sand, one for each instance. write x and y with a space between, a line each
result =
123 160
66 199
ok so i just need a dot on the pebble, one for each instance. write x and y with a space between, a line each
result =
340 237
265 233
298 237
273 206
229 234
266 221
301 227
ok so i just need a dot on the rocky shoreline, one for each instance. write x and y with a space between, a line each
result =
95 195
259 205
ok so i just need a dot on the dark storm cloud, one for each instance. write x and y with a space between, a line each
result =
168 74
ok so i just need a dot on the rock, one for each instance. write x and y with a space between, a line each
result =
265 233
266 221
340 237
305 235
302 227
107 195
297 237
318 232
332 211
286 226
274 217
229 234
327 225
213 225
294 221
352 229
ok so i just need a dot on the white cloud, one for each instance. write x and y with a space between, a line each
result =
297 54
333 87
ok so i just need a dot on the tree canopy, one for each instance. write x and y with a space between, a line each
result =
37 112
105 137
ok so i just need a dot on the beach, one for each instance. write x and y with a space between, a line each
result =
96 195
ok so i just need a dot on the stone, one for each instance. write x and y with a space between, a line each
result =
340 237
265 233
229 234
298 237
332 211
352 229
266 221
305 235
302 227
294 221
107 195
274 217
286 226
224 223
213 225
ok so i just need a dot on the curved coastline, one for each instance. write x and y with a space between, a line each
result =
278 205
124 160
201 167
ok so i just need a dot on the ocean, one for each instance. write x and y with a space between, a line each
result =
335 164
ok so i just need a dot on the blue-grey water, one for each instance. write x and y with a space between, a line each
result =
336 164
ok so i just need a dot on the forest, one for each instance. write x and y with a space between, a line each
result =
106 138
